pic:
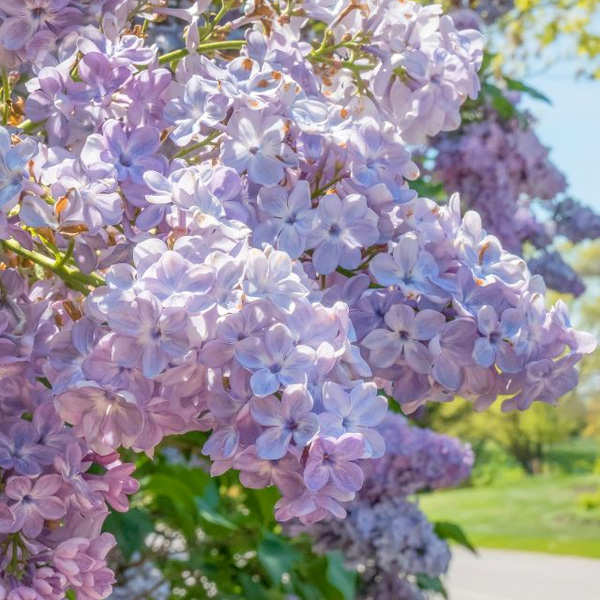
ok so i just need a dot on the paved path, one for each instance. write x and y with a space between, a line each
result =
507 575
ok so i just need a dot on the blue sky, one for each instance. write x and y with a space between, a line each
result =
571 128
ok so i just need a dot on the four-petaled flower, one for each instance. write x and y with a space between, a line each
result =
331 459
285 420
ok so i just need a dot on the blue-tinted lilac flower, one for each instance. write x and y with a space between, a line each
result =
564 334
545 381
490 263
146 90
30 25
91 194
13 162
102 77
358 410
246 80
405 336
226 291
196 108
374 159
451 350
343 227
256 145
288 218
33 502
271 277
412 269
251 320
331 459
177 282
274 360
495 345
132 153
286 420
20 450
122 48
54 101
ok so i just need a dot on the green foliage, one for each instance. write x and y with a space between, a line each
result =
338 577
129 529
559 28
525 437
453 532
206 534
589 501
432 584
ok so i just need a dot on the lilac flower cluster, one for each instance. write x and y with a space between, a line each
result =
388 543
416 459
261 269
459 315
55 492
501 168
487 12
385 537
575 221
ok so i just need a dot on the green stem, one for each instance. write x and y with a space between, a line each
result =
5 96
208 47
207 140
345 272
29 126
63 260
74 278
225 6
320 191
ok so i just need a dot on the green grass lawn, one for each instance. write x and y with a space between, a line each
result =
538 514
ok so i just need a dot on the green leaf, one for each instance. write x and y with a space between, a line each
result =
209 514
433 584
339 577
488 57
261 504
277 556
129 529
502 105
519 86
428 189
252 589
174 501
451 531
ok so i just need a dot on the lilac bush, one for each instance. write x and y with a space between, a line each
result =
385 537
223 239
501 169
